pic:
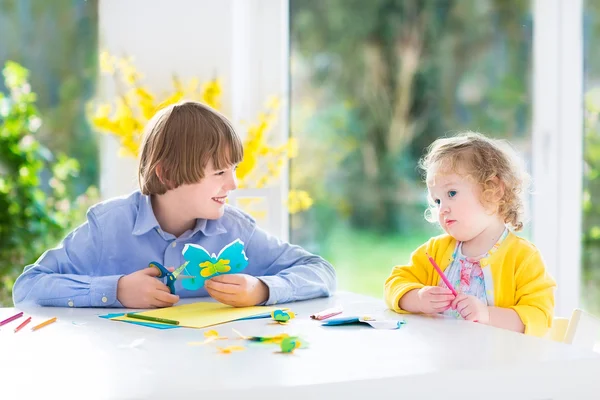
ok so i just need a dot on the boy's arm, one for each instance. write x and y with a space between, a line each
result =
290 272
63 277
534 297
405 279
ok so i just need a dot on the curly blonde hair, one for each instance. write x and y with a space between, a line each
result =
490 163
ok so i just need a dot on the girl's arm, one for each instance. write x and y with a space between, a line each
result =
534 296
506 318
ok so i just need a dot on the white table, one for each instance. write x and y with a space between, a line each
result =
82 356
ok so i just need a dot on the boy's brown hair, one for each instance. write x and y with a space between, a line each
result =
178 143
490 163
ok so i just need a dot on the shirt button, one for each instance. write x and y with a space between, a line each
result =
174 244
104 299
71 303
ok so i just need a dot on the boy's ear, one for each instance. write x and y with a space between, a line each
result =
161 175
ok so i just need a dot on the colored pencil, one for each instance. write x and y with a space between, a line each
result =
43 324
18 328
7 320
153 319
439 271
328 313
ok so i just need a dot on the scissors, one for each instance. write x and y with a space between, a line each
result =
171 276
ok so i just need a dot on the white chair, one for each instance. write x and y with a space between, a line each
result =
581 330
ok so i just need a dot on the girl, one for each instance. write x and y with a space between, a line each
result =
500 278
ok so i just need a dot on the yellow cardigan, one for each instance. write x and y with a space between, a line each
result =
515 271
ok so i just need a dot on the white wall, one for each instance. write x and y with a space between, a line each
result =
245 42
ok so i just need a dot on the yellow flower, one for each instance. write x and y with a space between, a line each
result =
299 200
292 148
211 93
192 87
107 63
273 103
247 165
172 99
126 117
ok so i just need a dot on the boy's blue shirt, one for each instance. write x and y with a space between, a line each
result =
122 236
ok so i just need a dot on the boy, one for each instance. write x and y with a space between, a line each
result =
187 167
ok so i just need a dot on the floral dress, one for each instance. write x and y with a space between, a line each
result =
466 275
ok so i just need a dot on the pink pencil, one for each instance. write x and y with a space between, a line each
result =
439 271
7 320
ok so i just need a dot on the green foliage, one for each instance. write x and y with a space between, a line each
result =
35 205
364 266
395 75
57 41
591 206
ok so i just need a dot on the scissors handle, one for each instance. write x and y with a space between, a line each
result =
164 273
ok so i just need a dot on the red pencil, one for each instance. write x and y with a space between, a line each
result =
18 328
439 271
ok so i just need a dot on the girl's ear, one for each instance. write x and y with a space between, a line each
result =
500 188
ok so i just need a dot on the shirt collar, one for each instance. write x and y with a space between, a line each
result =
146 221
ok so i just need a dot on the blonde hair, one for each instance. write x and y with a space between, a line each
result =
178 143
490 163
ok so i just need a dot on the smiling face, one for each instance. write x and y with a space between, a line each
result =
205 199
458 206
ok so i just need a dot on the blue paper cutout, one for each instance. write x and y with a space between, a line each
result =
147 324
202 265
282 316
375 323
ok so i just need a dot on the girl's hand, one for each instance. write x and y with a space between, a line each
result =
238 290
471 308
434 299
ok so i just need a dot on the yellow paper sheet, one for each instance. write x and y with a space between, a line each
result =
201 314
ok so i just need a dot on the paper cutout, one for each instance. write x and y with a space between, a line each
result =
202 265
213 334
286 343
258 316
230 349
375 323
282 316
202 314
264 339
114 316
289 344
210 336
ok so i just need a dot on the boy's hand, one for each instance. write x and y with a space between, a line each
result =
434 299
471 308
141 289
238 290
